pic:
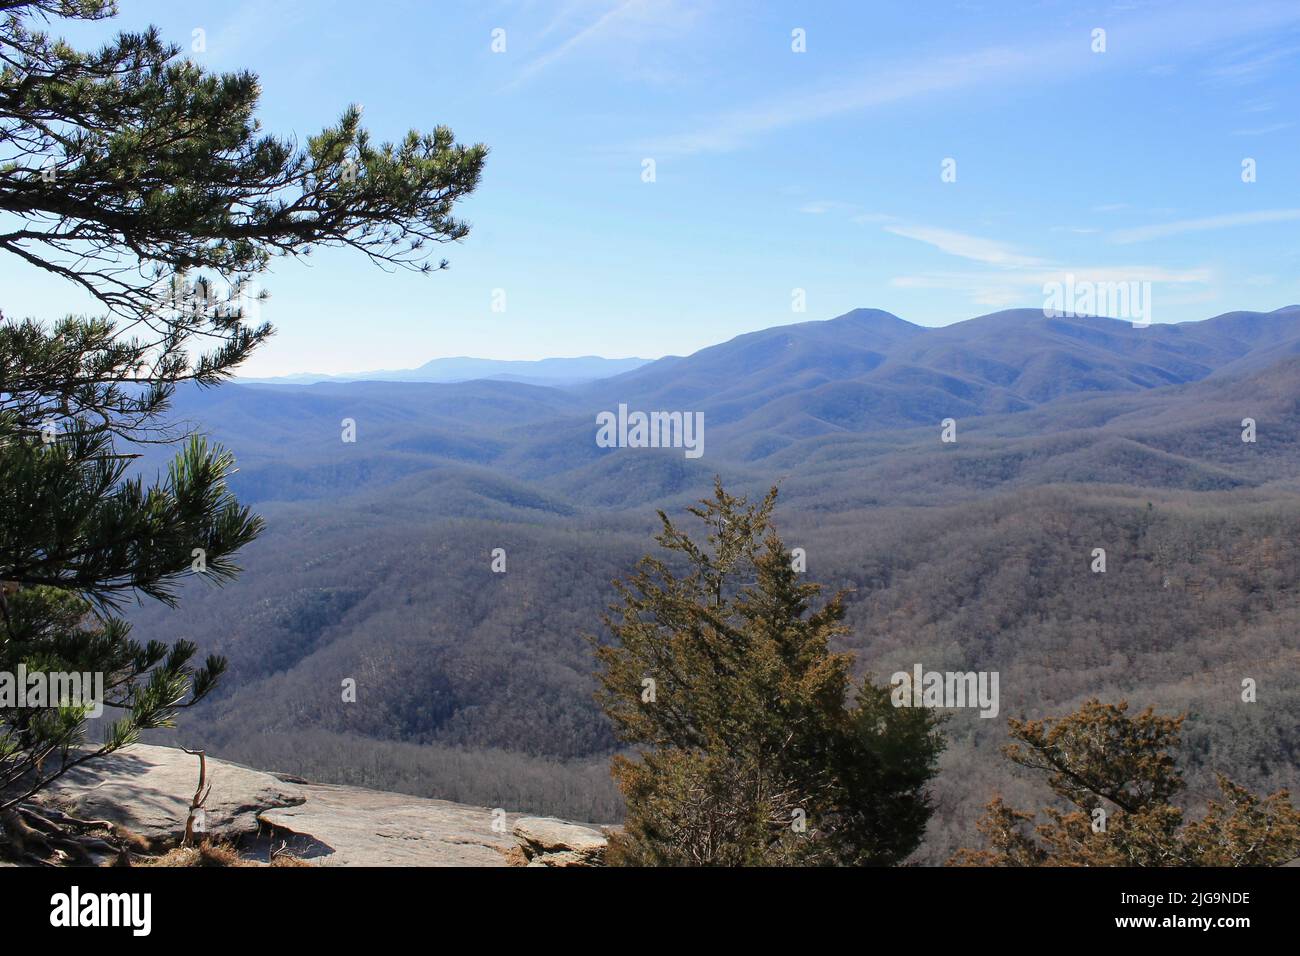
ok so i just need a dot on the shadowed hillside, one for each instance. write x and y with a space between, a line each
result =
1071 435
801 401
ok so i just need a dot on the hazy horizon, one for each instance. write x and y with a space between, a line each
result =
792 149
671 354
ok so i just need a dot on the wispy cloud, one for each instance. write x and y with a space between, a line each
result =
856 213
585 35
1263 130
975 248
737 128
1016 276
1038 277
1178 29
1013 275
1017 286
624 21
818 207
1252 63
246 30
1206 224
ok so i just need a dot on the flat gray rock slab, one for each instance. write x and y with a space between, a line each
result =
148 789
549 835
349 826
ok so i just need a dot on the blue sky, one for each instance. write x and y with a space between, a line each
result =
774 170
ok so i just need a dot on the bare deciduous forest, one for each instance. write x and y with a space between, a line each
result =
477 686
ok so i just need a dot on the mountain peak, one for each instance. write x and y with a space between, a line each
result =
875 318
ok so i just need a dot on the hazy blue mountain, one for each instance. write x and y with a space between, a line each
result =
861 394
1073 434
550 371
869 369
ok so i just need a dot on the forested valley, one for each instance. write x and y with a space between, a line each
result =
476 685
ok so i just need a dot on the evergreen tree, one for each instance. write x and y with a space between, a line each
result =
749 752
146 181
1120 775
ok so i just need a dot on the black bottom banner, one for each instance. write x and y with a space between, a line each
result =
145 906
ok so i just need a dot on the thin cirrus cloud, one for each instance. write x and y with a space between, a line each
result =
587 34
1263 130
1176 28
1012 287
1010 273
976 248
1014 272
1251 65
737 129
1205 224
1022 278
628 20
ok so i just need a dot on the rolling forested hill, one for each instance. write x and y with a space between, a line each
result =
1072 434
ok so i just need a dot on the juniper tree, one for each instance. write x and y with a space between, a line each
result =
1120 776
749 750
147 182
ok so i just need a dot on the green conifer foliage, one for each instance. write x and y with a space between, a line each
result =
747 747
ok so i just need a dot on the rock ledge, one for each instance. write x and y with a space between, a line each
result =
546 841
148 789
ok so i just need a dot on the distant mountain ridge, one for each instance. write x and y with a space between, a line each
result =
870 364
816 403
549 371
1072 434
